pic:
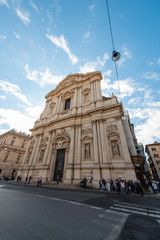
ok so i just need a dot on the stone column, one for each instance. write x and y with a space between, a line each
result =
71 152
47 149
46 109
74 103
79 102
52 164
48 160
103 142
24 157
95 143
99 143
79 146
76 144
36 152
57 104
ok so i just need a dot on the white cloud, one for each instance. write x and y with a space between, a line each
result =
43 78
62 43
23 15
148 131
18 120
152 76
127 86
4 2
92 66
14 90
17 35
108 73
125 54
2 97
91 7
34 6
2 37
86 35
158 61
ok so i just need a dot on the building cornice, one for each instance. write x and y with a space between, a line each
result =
80 115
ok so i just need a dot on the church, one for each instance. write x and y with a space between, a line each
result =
79 134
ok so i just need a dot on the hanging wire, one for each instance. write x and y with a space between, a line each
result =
110 24
113 48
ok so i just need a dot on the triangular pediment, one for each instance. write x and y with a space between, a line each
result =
72 79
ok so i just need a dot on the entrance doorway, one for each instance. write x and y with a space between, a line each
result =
59 164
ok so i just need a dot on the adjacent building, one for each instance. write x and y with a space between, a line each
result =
13 145
153 151
80 134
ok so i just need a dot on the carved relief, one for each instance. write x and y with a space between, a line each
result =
111 128
87 131
44 140
62 133
118 117
32 142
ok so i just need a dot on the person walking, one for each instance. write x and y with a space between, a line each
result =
123 189
156 188
104 184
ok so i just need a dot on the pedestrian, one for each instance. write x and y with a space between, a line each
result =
104 184
29 179
84 182
57 179
40 181
100 185
26 180
123 189
108 185
156 188
118 186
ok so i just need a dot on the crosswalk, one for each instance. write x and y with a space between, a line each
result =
130 209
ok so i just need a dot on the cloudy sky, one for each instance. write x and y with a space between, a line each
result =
41 42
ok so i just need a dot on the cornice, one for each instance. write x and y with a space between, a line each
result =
75 116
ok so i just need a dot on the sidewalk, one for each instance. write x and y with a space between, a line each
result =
73 187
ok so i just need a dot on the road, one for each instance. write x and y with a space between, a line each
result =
40 213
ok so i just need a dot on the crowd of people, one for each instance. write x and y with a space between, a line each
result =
123 186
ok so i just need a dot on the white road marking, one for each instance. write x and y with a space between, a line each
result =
135 208
96 207
128 210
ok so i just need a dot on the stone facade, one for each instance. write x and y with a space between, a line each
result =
13 145
79 134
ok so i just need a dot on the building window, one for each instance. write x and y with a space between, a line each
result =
156 155
6 157
153 149
18 158
158 162
67 104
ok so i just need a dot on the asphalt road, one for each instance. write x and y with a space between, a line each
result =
40 213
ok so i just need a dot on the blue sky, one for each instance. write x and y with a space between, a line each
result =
42 42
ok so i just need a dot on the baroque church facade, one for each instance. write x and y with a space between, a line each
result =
79 134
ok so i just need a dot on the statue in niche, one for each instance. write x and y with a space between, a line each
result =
87 150
41 155
28 156
115 149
